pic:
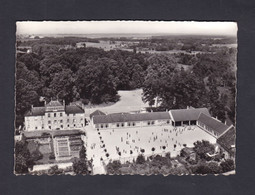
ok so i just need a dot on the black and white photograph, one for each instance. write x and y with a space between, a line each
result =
125 98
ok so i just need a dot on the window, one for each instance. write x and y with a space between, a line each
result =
122 124
129 124
61 126
61 121
149 122
74 125
102 126
167 122
49 122
133 124
106 125
48 114
42 126
61 114
55 114
67 114
49 127
152 122
74 114
68 125
35 127
118 125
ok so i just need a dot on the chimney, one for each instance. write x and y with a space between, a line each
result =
64 102
225 122
44 102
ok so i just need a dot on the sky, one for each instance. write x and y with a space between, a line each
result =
125 27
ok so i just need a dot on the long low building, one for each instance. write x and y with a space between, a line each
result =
119 120
211 125
190 116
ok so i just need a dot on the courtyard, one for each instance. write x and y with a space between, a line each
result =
125 144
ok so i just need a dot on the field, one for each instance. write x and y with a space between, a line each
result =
129 101
127 143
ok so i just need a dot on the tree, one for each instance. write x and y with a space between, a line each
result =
82 153
22 157
80 167
227 165
54 170
114 167
140 159
203 147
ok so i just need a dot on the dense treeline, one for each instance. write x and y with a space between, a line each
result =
94 75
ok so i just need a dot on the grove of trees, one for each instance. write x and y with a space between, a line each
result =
92 75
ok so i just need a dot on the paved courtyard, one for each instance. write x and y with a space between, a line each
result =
127 143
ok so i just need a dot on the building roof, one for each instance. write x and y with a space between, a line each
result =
96 113
228 139
40 111
126 117
213 123
53 103
187 114
36 111
73 109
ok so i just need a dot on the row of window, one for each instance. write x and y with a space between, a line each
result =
60 114
207 128
61 121
61 126
128 124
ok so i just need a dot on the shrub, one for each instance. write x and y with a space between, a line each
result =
52 156
36 155
140 159
113 167
227 165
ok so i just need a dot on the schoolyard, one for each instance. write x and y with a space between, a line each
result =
125 144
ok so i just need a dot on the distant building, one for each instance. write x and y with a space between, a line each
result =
55 116
24 49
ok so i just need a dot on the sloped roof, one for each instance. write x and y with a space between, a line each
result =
40 111
54 103
36 111
187 114
228 139
73 109
126 117
214 124
96 113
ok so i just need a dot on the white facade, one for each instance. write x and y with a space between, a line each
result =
131 124
54 118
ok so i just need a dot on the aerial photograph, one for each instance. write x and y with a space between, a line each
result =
125 98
